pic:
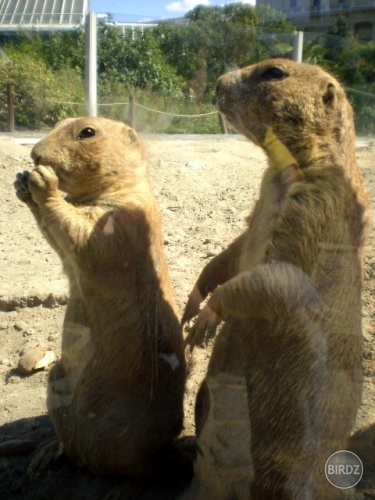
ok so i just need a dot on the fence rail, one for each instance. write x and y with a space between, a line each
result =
11 103
11 108
131 116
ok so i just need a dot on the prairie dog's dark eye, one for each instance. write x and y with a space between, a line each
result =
273 73
86 133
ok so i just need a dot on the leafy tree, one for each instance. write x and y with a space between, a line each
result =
122 60
37 90
62 50
353 63
357 71
136 62
314 53
216 39
339 37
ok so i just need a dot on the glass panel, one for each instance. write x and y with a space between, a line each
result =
279 292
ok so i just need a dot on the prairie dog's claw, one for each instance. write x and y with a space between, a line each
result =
193 305
204 328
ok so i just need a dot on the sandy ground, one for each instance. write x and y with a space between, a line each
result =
205 188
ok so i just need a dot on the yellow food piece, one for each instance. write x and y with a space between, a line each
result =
279 155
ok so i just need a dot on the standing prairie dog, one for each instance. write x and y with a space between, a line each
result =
115 396
284 380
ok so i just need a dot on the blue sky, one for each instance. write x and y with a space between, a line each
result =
148 10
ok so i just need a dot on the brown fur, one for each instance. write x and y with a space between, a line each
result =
289 289
115 396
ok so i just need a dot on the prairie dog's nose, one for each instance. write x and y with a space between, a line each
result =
36 155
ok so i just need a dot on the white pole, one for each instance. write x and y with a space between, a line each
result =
298 46
91 101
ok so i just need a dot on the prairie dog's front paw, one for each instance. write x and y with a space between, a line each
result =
21 185
204 327
43 183
192 306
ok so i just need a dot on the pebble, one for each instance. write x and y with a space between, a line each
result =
16 447
5 362
51 301
29 332
53 337
193 164
368 355
35 359
21 326
14 380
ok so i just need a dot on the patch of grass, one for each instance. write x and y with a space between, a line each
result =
158 121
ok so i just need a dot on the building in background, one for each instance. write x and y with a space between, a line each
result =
45 16
42 15
318 15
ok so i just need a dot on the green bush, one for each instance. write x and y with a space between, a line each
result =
38 90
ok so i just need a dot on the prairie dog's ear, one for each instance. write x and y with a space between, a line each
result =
329 97
129 135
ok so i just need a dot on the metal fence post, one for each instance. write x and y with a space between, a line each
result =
298 46
91 70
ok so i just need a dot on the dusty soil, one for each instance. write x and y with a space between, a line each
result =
205 189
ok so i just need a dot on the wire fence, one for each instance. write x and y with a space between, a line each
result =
131 106
136 104
359 92
136 113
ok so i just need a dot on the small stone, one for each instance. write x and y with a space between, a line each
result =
53 337
5 362
14 380
21 326
16 447
35 359
3 326
51 301
193 164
